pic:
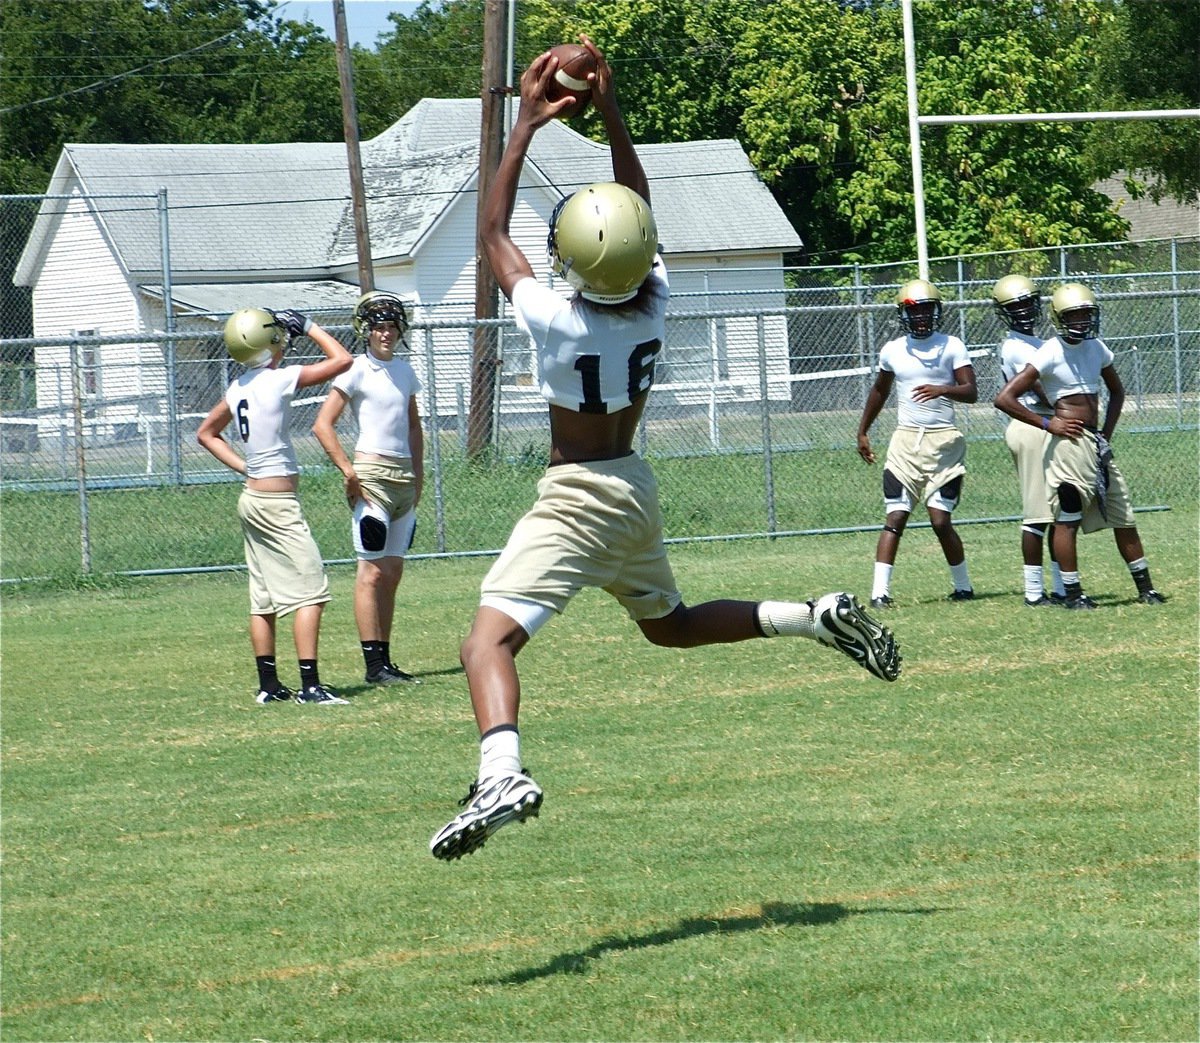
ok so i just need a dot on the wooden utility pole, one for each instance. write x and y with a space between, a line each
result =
358 197
485 356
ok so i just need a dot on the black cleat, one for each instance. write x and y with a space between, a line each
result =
840 622
490 803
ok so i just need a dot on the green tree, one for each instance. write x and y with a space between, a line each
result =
838 148
1150 59
156 71
161 71
437 52
815 92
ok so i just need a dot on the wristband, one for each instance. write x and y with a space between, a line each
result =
1045 423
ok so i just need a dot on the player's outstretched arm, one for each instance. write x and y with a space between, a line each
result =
627 166
509 265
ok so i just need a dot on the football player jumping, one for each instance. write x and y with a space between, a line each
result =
596 522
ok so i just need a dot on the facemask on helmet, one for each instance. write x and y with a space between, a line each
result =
602 241
1075 313
376 308
919 305
252 337
1017 303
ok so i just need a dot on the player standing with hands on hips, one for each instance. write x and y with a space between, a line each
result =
1086 487
596 522
287 576
383 484
926 457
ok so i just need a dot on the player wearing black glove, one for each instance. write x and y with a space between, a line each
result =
292 321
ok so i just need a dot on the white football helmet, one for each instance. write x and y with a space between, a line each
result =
1075 313
919 304
602 240
252 337
379 306
1017 303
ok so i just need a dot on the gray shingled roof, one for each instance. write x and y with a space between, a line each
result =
1147 219
240 210
730 209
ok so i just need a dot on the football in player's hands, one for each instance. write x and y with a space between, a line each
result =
570 79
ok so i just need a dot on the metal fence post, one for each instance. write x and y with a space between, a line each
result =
1175 328
164 238
765 411
435 432
85 539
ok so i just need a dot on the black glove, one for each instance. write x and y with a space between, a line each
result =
292 321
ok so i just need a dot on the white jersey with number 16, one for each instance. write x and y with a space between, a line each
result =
594 358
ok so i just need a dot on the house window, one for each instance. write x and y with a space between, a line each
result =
89 365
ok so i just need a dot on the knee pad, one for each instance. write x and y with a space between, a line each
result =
946 497
952 490
892 489
372 532
1069 499
895 496
892 529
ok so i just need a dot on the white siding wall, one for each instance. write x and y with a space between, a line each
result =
447 274
81 286
725 351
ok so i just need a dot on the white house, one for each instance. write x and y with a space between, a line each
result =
272 225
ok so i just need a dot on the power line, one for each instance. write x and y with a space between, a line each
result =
120 76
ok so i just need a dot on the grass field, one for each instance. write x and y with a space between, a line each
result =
756 841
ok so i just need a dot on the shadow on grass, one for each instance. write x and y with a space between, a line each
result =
773 914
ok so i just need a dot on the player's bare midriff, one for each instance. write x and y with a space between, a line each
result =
377 458
284 483
577 438
1079 407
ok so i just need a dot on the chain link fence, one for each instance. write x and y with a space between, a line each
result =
751 424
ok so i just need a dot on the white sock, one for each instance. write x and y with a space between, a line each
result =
1034 582
959 573
882 584
784 618
1056 580
499 751
1137 566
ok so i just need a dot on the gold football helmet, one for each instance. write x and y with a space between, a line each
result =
919 304
252 337
1017 303
602 240
1075 313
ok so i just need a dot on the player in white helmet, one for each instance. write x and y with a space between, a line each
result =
1017 304
287 576
1087 489
596 522
926 457
383 483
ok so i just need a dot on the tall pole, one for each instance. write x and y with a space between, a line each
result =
358 197
484 356
914 140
